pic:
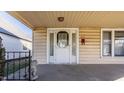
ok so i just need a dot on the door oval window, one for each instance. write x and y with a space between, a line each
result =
62 39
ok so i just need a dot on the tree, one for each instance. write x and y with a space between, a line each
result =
2 60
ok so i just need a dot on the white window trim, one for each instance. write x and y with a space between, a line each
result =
112 38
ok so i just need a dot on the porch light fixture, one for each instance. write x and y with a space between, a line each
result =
60 19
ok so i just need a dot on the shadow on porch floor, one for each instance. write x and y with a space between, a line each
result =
82 72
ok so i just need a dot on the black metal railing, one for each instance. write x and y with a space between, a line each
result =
18 65
1 70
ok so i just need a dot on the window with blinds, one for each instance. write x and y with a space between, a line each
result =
119 43
107 43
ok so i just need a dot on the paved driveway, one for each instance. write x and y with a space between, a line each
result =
82 72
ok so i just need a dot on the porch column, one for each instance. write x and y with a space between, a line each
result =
39 38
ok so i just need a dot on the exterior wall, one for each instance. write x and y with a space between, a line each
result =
26 44
90 53
14 44
40 45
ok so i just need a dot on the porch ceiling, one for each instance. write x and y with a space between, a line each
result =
71 19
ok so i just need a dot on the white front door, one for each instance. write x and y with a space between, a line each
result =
62 46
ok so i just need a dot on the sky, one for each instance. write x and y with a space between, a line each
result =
17 23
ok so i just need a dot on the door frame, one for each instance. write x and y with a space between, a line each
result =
54 29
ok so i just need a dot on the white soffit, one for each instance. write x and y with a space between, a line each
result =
71 18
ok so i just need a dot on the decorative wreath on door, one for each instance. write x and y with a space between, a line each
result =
62 39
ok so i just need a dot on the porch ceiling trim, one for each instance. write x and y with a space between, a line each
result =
82 19
20 18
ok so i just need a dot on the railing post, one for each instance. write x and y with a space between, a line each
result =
19 65
25 64
29 65
13 65
7 64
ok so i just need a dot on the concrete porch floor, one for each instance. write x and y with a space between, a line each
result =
82 72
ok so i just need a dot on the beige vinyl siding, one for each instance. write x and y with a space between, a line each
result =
90 52
40 45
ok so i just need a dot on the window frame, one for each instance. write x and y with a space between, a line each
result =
112 40
24 47
103 43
